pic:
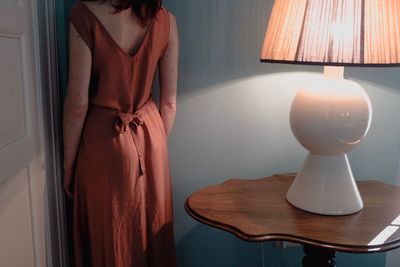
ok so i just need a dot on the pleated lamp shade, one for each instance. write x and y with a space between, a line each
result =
334 32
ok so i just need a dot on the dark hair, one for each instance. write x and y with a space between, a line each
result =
143 9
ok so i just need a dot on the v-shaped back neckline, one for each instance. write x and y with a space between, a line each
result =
108 35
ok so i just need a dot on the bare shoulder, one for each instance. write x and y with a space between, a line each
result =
171 15
172 19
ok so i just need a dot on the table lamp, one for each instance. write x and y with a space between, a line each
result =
331 115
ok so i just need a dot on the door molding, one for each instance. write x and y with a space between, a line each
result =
46 64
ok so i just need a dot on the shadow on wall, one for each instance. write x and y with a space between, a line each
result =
387 78
221 41
204 246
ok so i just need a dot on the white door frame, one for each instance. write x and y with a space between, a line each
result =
46 61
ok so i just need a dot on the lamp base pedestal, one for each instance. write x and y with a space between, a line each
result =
325 186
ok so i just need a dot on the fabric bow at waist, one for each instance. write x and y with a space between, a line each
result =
133 121
126 120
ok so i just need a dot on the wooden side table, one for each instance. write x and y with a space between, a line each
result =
256 210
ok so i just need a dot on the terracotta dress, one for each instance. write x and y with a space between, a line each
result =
122 187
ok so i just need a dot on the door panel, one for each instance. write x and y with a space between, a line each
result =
17 88
11 94
16 245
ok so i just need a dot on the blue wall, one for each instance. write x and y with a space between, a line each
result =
232 121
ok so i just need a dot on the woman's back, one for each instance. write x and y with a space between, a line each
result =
124 28
122 184
121 80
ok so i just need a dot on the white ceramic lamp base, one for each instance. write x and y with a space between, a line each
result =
325 185
329 117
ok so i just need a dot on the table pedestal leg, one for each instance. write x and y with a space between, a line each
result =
318 257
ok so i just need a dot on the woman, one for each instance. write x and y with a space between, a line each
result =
116 166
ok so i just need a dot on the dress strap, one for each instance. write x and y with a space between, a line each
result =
82 23
164 21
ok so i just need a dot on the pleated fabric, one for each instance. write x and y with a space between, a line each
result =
122 186
333 32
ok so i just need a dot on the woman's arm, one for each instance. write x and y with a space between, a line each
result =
168 67
76 101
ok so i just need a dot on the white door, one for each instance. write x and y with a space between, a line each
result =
22 170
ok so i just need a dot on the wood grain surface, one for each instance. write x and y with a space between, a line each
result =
256 210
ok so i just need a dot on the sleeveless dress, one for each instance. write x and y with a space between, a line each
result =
122 214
